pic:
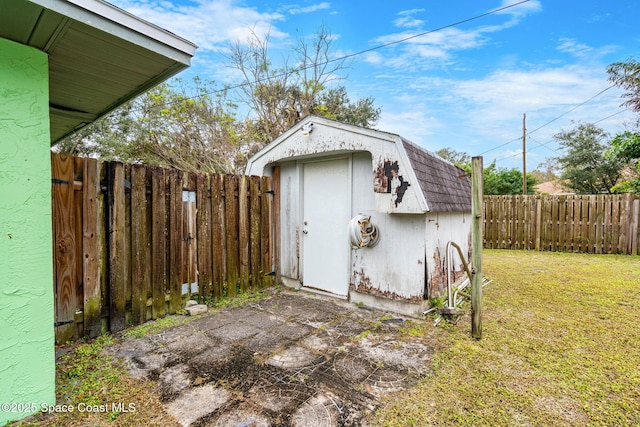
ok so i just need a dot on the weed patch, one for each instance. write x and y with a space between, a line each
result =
94 390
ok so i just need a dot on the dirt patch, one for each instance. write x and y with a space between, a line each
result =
292 359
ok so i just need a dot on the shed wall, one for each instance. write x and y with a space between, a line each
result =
289 220
27 370
440 229
395 267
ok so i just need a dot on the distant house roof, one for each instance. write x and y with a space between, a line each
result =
554 188
100 56
444 185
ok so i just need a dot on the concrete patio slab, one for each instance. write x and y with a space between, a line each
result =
289 359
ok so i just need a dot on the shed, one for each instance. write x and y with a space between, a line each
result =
337 183
63 64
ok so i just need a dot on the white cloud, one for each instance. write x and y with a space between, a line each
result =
405 20
522 9
572 47
208 23
372 57
414 123
297 10
437 47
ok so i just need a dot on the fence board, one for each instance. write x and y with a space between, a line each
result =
217 234
254 232
175 240
139 245
635 228
78 171
117 257
231 233
589 224
243 232
266 238
158 243
189 234
203 232
92 301
64 245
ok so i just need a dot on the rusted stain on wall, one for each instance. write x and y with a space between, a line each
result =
387 179
437 283
363 284
438 280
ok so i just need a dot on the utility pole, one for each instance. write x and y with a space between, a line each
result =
524 154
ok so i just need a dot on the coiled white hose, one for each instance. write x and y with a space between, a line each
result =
362 232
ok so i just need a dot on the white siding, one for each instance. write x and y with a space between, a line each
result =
395 268
289 220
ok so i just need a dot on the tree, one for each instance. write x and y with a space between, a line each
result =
547 170
626 147
169 127
335 104
626 75
498 181
585 168
280 96
458 158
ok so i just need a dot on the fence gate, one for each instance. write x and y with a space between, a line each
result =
132 242
190 244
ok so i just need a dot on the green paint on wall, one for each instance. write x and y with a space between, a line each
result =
27 358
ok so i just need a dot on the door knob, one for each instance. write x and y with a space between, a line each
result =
305 231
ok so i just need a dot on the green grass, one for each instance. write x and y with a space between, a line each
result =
154 326
88 382
560 346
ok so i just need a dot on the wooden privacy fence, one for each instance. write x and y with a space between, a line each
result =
601 224
132 242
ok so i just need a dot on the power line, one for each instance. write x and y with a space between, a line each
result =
553 120
362 52
455 24
501 145
572 109
545 144
612 115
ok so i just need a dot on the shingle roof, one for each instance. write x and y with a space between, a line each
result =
444 185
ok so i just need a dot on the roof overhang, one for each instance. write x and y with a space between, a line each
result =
100 56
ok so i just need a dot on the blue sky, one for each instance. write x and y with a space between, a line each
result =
465 86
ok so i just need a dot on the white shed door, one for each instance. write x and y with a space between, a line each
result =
326 210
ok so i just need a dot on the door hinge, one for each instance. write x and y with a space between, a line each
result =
67 322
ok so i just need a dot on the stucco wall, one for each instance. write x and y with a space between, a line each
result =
27 360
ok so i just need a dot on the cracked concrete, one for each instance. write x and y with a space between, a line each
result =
289 359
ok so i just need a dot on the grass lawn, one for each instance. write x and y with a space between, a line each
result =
560 347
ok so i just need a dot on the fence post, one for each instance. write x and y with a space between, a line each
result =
476 242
